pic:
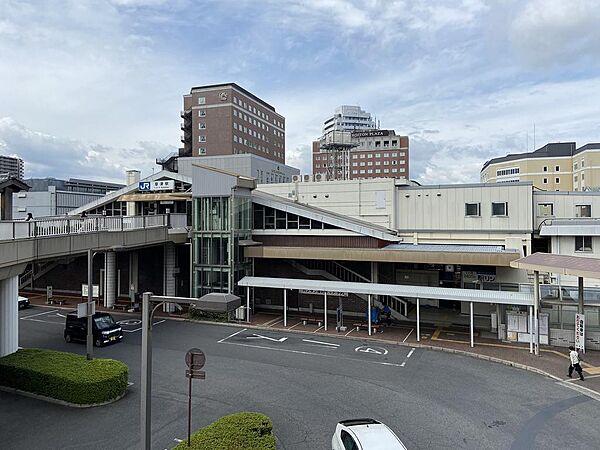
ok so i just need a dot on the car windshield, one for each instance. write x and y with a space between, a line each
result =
104 322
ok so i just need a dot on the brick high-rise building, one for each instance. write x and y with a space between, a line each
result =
225 119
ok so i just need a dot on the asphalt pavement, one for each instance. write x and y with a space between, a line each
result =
306 384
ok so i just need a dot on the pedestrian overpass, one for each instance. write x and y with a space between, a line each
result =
23 242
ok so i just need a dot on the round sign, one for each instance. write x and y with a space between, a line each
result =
195 359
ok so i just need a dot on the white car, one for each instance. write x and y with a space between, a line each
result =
364 434
23 302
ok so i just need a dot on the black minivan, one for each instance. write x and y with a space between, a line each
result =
105 330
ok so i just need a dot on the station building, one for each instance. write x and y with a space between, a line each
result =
382 231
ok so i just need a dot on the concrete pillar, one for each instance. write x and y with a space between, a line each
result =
132 177
110 272
9 315
170 261
133 273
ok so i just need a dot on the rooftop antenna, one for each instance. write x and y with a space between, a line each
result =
534 135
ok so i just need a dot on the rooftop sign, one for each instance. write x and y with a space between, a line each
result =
373 133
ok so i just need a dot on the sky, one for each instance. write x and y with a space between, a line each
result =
89 89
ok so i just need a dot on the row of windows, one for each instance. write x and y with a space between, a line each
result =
394 170
499 209
556 180
547 209
240 127
393 162
511 171
256 146
582 165
378 155
378 143
556 168
256 123
258 112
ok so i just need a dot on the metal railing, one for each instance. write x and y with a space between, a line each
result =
10 230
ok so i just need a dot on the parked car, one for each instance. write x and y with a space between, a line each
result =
23 302
104 329
364 434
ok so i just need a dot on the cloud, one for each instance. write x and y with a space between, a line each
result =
47 155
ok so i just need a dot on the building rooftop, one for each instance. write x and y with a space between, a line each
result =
551 150
239 88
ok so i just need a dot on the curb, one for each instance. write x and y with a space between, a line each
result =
58 401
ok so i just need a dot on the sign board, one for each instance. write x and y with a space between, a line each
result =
471 276
144 186
163 185
195 360
374 133
331 293
82 309
48 291
580 332
95 290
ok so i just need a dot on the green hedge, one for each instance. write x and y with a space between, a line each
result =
198 314
64 376
241 431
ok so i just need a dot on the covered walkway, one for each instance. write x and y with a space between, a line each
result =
333 288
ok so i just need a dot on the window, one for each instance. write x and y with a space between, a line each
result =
557 169
386 170
545 168
545 209
583 210
557 180
377 155
370 163
500 209
202 125
202 138
575 166
354 156
362 156
202 150
394 143
354 164
583 243
511 171
545 181
582 164
202 100
472 209
201 113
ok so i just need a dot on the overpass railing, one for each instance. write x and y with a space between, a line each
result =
77 225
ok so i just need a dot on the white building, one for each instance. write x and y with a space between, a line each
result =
349 118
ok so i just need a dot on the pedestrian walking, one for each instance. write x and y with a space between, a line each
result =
575 363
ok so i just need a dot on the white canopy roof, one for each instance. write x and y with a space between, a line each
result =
400 290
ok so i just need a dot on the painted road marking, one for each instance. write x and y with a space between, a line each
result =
130 322
410 353
61 315
371 349
269 322
177 440
273 324
319 328
138 329
39 314
351 330
312 354
231 335
294 326
260 336
320 342
409 333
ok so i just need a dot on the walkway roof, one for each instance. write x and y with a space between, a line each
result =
578 266
425 292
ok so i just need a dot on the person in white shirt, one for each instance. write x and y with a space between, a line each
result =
574 356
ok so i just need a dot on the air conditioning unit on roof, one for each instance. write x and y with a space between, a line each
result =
319 177
296 178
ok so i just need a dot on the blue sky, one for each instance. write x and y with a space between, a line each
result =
92 88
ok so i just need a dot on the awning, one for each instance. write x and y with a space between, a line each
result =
399 290
155 197
218 302
578 266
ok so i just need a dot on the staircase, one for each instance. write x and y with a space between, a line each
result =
28 277
334 271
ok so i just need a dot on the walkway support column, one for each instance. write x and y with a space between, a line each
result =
169 284
248 304
325 310
369 313
531 329
471 315
418 320
536 307
285 307
9 315
110 270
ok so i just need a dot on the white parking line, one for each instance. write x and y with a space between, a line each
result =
410 353
269 322
320 342
319 328
39 314
231 335
138 329
293 326
43 321
409 333
312 354
351 330
273 324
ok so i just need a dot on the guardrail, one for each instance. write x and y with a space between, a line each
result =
10 230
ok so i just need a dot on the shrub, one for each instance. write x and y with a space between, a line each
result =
198 314
64 376
241 431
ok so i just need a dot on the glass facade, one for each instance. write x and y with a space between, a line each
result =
220 223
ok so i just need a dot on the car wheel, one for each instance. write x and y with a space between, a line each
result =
98 343
68 338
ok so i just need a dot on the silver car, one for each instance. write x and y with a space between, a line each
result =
364 434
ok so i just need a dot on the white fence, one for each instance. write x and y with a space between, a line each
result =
76 225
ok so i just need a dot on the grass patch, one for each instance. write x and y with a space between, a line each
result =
64 376
240 431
